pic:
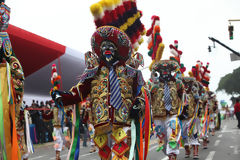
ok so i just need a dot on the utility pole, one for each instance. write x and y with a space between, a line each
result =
232 20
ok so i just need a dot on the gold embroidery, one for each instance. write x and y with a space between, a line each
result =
158 105
100 95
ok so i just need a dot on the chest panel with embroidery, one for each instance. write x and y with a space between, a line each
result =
158 105
192 105
100 96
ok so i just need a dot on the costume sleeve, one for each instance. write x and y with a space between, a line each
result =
76 94
137 108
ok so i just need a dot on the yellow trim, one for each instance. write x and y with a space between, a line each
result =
130 21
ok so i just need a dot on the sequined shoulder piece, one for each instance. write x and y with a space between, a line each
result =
5 44
88 73
132 72
179 84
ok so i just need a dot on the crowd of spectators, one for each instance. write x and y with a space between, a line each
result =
43 127
42 118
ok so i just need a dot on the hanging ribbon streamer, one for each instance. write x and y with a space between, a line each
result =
139 142
179 113
28 138
61 107
147 125
207 125
179 135
15 148
2 133
205 121
1 150
76 135
73 131
133 139
9 82
6 113
192 123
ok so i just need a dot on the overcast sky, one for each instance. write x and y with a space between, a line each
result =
191 22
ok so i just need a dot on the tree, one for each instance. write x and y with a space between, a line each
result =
230 83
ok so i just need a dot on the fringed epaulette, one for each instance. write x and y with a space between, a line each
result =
88 73
5 44
179 83
132 72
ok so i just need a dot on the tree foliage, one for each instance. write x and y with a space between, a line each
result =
230 83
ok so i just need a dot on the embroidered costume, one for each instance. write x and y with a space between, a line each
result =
190 116
166 100
12 140
112 81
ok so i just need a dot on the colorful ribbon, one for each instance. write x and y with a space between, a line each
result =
6 112
15 152
74 151
28 139
192 123
2 133
147 125
133 139
139 142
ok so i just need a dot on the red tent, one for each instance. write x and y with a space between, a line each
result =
36 55
33 51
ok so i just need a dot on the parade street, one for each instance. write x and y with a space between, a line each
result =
225 145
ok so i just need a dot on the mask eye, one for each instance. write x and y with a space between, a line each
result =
104 47
156 74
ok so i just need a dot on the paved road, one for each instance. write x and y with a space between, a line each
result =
225 145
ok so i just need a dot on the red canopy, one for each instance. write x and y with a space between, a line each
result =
33 51
37 54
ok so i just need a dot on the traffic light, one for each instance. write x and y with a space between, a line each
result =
230 29
209 49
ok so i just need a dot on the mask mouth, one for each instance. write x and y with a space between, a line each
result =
108 55
107 52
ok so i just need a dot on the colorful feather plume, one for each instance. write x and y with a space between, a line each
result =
177 55
122 14
201 73
155 44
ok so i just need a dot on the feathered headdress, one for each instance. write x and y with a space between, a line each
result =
177 55
205 75
155 44
201 73
55 78
122 14
155 22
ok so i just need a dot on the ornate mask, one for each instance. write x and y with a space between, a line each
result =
108 52
164 70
